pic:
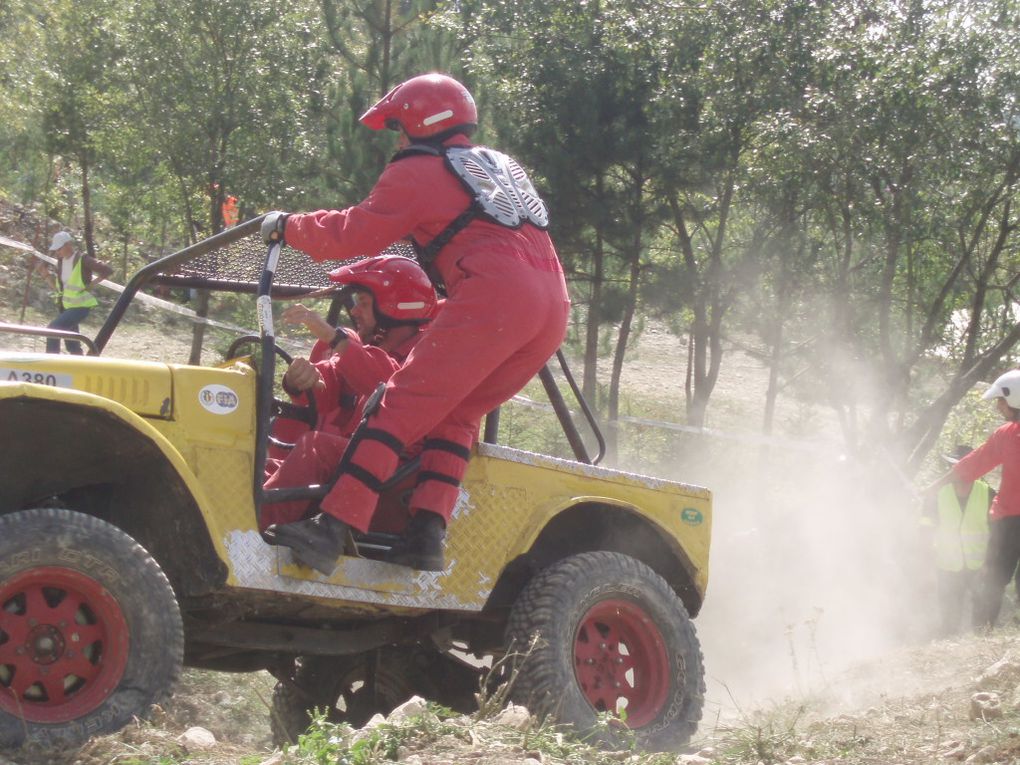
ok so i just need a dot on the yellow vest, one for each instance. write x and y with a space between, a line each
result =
73 294
961 534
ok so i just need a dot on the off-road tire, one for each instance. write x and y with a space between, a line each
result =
327 682
582 609
88 614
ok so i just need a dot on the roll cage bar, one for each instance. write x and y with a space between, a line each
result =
212 264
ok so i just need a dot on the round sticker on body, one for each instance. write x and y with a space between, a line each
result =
218 399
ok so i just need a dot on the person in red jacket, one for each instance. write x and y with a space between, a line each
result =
392 301
480 231
1001 448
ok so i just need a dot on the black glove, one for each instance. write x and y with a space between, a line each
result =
273 226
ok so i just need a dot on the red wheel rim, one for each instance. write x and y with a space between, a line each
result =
63 645
620 662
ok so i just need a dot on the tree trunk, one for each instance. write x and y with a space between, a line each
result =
696 392
589 380
622 339
202 296
775 358
198 333
842 397
784 249
86 205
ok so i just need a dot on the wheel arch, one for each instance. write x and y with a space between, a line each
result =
97 457
591 525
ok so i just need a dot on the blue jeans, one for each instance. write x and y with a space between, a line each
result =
69 319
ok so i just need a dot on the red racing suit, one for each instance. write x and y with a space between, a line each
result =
350 379
1001 448
363 367
505 315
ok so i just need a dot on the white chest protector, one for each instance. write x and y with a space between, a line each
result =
500 187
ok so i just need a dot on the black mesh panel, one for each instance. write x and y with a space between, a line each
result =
238 266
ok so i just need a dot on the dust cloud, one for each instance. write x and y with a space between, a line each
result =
818 562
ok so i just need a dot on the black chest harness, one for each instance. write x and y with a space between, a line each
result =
500 192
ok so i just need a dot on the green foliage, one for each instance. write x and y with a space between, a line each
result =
331 744
326 743
970 422
23 161
835 180
218 89
609 742
771 737
377 45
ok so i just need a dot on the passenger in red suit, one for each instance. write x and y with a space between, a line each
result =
480 230
288 430
392 301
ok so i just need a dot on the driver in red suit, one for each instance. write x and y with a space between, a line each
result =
392 301
479 228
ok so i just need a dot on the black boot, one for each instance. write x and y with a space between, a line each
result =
421 545
316 542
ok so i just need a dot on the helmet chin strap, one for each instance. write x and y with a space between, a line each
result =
378 337
383 323
390 334
437 140
386 323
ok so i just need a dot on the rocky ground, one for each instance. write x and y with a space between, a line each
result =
947 702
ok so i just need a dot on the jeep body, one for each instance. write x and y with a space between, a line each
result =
166 456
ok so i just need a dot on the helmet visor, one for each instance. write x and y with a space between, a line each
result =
996 391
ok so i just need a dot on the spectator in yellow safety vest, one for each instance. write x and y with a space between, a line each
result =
958 515
75 276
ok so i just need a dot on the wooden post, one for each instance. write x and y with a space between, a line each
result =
28 283
28 277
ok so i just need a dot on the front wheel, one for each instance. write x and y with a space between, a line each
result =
90 630
613 638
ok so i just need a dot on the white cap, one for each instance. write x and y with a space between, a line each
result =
59 240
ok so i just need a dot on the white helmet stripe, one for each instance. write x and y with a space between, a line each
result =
432 119
411 306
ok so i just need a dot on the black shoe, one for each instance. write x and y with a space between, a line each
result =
421 545
316 542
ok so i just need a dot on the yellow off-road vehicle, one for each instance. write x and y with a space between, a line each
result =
130 547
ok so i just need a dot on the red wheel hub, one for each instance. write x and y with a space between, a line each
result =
620 661
63 645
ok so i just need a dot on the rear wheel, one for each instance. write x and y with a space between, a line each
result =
613 638
90 631
351 689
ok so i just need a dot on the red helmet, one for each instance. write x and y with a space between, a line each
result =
424 106
402 291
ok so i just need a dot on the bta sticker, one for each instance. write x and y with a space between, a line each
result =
218 399
691 516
